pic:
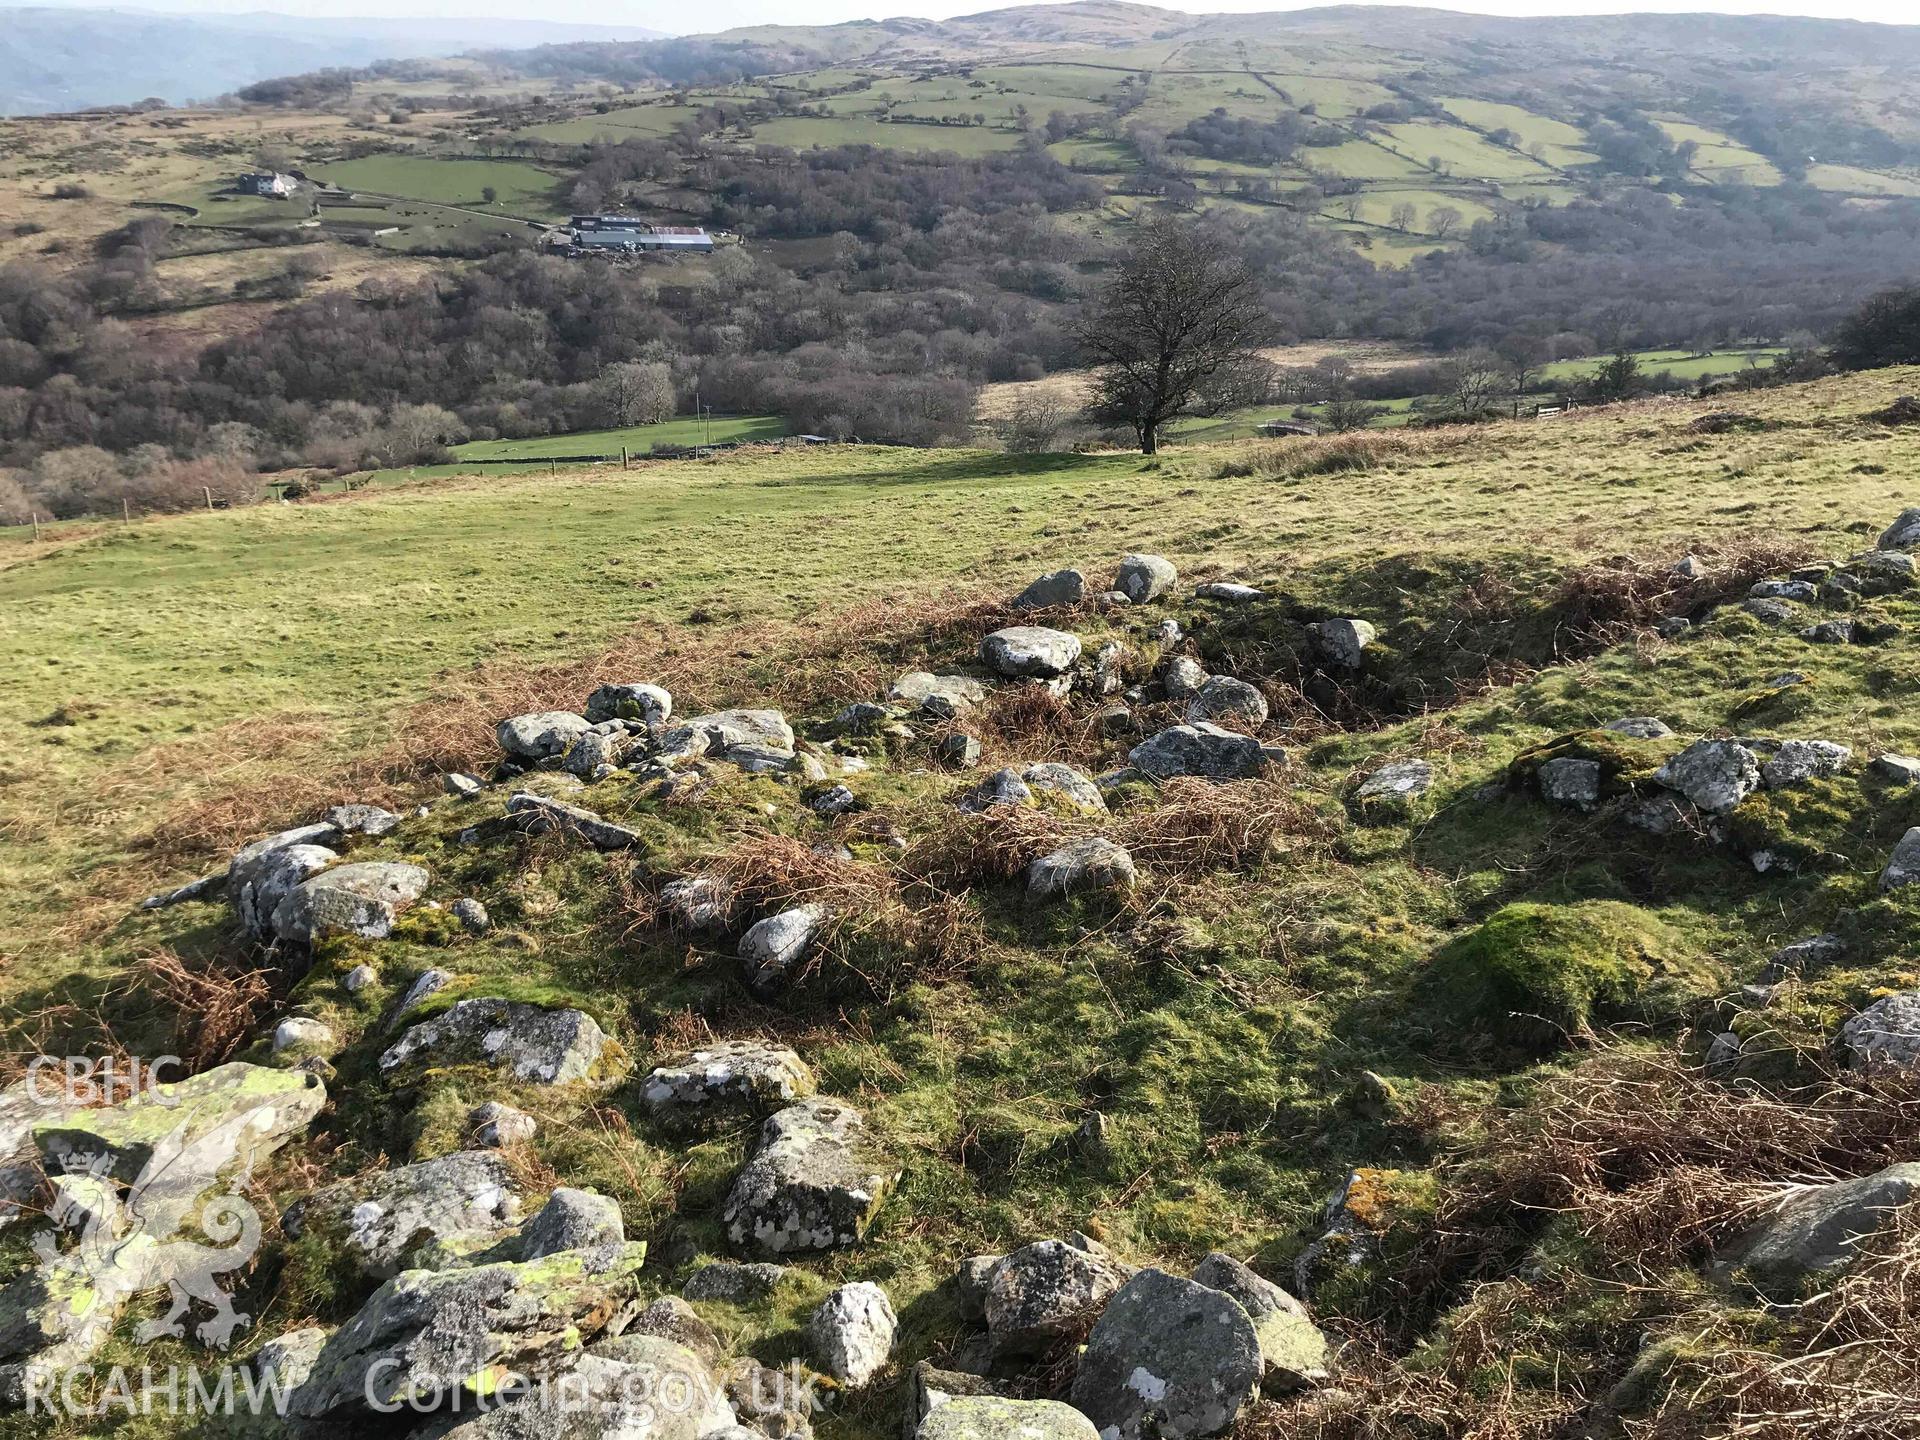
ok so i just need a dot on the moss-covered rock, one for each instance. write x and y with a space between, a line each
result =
1533 974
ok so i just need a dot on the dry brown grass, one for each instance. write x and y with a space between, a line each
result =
1357 451
217 1007
1208 825
1603 603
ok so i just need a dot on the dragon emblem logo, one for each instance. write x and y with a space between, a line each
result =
125 1244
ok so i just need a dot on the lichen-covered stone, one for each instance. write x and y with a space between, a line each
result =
773 948
851 1333
1167 1359
497 1124
733 1281
359 899
547 1047
944 696
1343 641
1227 701
1050 777
1057 587
1886 1033
1568 780
1044 1290
726 729
381 1219
1092 862
264 873
1204 749
542 815
1030 651
727 1076
1293 1350
541 735
571 1220
815 1182
1713 775
1142 578
995 1417
434 1338
1903 865
1794 762
633 700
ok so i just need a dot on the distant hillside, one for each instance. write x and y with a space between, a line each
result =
53 60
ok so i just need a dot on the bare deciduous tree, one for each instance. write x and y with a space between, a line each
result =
1443 220
636 392
1178 312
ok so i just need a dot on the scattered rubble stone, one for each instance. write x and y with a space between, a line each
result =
547 1047
815 1182
728 1075
1204 749
1090 863
497 1125
996 1417
1230 591
1043 1290
945 696
572 1220
1769 611
297 1032
1903 866
733 1280
1897 769
1903 534
852 1333
1343 641
962 752
1565 780
1639 727
462 786
381 1219
538 815
1029 651
471 914
1057 587
1142 578
542 735
1225 700
1181 677
1713 775
773 947
635 700
1818 1228
1167 1359
1885 1034
1795 762
1293 1351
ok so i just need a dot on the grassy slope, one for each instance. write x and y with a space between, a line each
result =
1216 1023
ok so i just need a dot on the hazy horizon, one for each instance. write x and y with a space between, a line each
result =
726 14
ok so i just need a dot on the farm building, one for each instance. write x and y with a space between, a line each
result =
608 241
267 182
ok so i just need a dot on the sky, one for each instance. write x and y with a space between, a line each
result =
720 14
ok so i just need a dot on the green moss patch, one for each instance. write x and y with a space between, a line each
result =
1532 975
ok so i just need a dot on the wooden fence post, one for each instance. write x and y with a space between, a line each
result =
126 511
623 457
207 490
36 525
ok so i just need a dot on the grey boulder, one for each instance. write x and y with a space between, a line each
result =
264 873
541 735
363 899
533 1043
1713 775
1293 1351
1230 591
1794 762
382 1219
1182 677
852 1331
730 1076
1818 1228
1030 651
1057 587
637 700
1144 577
1903 865
540 815
726 729
1886 1034
1902 534
1204 749
773 948
944 696
1090 863
1168 1358
814 1183
1343 641
995 1417
1043 1291
1565 780
1227 701
571 1220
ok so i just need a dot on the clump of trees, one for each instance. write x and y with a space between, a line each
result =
1885 330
